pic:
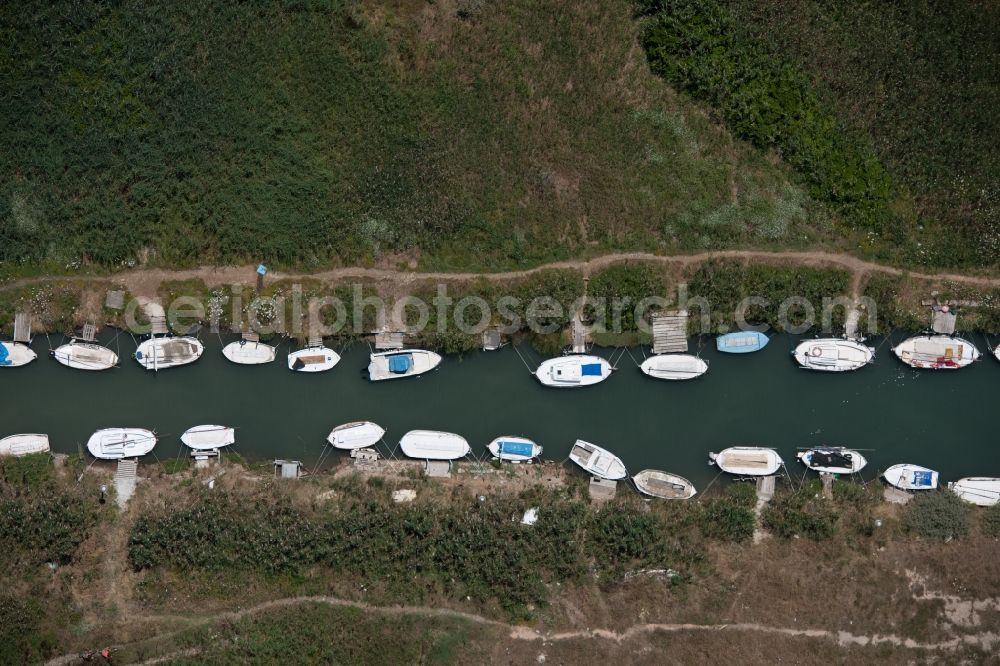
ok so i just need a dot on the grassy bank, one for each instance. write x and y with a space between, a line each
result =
474 135
182 554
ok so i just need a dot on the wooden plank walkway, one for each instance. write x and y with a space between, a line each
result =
670 332
22 327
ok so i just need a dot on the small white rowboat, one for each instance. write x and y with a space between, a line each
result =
85 356
674 366
208 437
434 445
356 435
24 445
747 461
116 443
655 483
243 352
597 461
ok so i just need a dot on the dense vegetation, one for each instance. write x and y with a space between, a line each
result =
463 547
938 515
696 46
788 295
918 79
320 634
886 113
41 520
309 133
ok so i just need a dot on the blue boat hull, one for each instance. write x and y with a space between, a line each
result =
741 342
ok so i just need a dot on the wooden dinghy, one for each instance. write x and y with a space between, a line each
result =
168 352
313 359
833 354
979 490
663 485
833 460
116 443
741 342
911 477
573 371
85 356
24 445
936 352
356 435
434 445
747 461
514 449
674 366
243 352
597 461
208 437
403 363
15 354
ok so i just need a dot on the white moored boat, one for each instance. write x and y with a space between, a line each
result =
15 354
313 359
24 445
434 445
573 370
85 356
245 352
936 352
996 352
208 437
403 363
597 461
168 352
115 443
833 354
674 366
747 460
833 459
357 435
655 483
514 449
911 477
980 490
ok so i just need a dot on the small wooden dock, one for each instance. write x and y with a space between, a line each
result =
670 332
492 340
602 490
22 327
388 340
896 496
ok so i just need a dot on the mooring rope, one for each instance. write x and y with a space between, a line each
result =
528 367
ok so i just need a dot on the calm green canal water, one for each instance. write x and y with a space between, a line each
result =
943 420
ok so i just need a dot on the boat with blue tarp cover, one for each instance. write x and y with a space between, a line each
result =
402 363
14 354
514 449
741 342
573 370
911 477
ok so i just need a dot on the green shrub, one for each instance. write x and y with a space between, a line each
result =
30 472
49 528
937 515
724 284
800 513
24 636
730 517
695 45
991 521
620 288
463 547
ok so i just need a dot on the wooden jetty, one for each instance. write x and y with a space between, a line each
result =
492 340
388 340
22 327
114 299
670 332
602 490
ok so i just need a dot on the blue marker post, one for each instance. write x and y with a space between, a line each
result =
261 272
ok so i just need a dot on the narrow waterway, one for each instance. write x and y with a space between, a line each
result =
943 420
